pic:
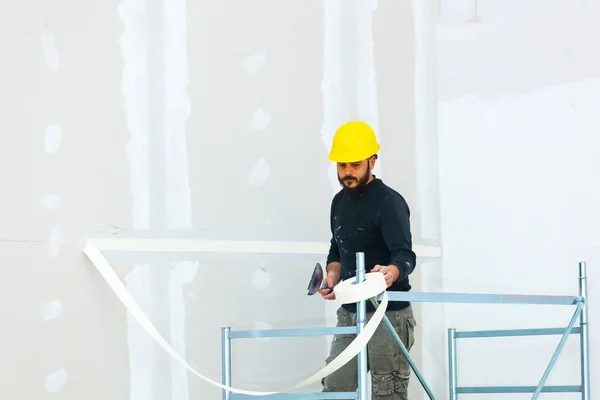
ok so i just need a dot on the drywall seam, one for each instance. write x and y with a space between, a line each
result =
331 83
425 119
178 200
368 107
156 83
432 318
178 245
427 191
133 43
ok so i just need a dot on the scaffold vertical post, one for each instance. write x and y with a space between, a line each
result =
361 320
584 337
225 360
452 365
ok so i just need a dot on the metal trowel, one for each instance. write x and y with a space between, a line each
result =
317 281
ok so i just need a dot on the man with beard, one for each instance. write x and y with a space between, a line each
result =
368 216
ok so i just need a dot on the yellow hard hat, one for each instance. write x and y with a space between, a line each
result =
353 141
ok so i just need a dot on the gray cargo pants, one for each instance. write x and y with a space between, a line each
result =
389 369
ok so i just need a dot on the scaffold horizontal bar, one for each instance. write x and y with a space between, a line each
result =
270 333
295 396
516 389
514 332
476 298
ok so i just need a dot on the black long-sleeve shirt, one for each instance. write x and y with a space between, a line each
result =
375 220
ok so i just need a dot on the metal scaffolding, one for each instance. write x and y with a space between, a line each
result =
581 314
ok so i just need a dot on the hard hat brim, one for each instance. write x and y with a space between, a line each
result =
350 158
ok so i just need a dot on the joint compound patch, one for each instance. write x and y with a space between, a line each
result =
52 310
54 242
259 173
51 201
52 138
255 63
261 120
56 380
50 51
261 279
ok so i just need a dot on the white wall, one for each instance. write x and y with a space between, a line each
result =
124 115
518 127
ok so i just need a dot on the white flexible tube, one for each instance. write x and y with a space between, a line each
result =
345 292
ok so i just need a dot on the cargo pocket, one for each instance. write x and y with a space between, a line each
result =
411 323
405 327
401 384
384 369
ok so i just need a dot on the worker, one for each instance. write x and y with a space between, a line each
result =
368 216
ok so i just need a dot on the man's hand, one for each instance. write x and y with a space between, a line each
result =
391 273
334 272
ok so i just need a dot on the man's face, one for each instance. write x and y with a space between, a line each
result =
354 175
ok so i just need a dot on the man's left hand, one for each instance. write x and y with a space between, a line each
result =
390 272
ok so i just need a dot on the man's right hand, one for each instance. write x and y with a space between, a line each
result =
328 293
334 272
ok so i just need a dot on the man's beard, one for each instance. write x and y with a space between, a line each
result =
362 181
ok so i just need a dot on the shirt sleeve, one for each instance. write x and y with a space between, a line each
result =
334 251
394 220
334 254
